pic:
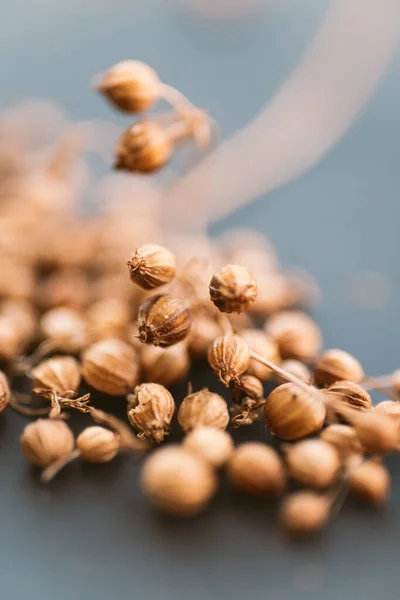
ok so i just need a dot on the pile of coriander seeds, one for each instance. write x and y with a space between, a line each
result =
115 301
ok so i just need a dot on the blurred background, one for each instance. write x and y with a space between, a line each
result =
339 221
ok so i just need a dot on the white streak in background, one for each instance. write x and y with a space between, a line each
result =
312 111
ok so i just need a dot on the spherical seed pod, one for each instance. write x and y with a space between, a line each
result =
211 444
45 441
388 407
152 266
144 147
313 463
371 482
296 334
345 394
337 365
165 365
97 444
22 315
5 392
344 438
11 340
202 334
251 386
109 317
66 328
273 294
229 357
378 433
177 482
292 413
296 368
150 410
131 86
257 469
260 343
59 373
304 513
233 289
110 366
163 320
203 408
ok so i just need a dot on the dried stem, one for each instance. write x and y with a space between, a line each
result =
19 402
50 472
284 374
382 385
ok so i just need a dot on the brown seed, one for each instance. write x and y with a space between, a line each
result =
229 357
251 386
152 266
378 433
388 407
211 444
233 289
344 438
144 147
110 366
59 373
292 413
371 482
66 327
109 317
342 395
313 463
337 365
202 334
257 468
203 408
165 365
296 368
260 343
163 320
296 334
5 392
45 441
150 410
131 86
177 482
304 513
97 444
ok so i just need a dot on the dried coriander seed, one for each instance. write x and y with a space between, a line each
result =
229 357
152 266
111 366
351 394
144 147
108 317
296 334
211 444
65 329
203 408
304 513
233 289
59 373
292 413
202 334
166 366
378 433
131 86
97 444
313 463
371 482
388 407
344 438
45 441
262 344
257 469
177 481
150 410
337 365
5 392
251 386
163 320
296 368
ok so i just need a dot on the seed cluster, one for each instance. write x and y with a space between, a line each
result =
99 306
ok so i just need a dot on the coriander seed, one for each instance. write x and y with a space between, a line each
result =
150 410
337 365
371 482
60 373
296 334
203 408
110 366
229 357
313 463
344 438
165 365
296 368
233 289
257 469
45 441
211 444
163 320
144 147
152 266
262 344
350 393
97 444
304 513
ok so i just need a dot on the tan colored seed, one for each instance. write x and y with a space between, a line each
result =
177 482
229 357
203 408
296 368
260 343
388 407
111 366
45 441
163 320
296 334
292 413
378 433
66 327
337 365
5 392
257 469
344 438
150 410
211 444
371 482
233 289
152 266
59 373
144 147
304 513
165 365
108 317
342 395
251 386
202 334
97 444
313 463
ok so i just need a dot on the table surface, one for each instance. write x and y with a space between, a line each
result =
91 535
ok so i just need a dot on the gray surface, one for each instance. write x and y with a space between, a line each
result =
92 536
